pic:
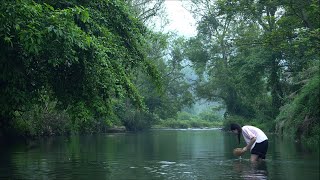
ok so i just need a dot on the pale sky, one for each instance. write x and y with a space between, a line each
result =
180 20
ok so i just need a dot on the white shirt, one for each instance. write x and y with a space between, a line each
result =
249 132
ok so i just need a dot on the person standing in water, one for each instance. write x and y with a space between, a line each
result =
256 139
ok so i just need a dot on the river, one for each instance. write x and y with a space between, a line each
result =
155 154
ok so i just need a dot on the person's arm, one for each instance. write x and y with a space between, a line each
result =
253 139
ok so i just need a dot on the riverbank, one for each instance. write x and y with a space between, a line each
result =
185 124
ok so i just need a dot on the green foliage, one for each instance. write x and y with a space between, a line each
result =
42 119
185 116
256 57
187 120
184 124
103 67
312 140
227 66
83 52
82 118
300 117
175 92
138 121
207 115
171 123
210 116
264 125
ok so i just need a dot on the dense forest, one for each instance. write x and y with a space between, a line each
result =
86 66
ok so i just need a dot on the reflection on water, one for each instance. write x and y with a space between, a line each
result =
158 154
248 170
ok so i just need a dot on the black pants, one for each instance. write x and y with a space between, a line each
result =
260 149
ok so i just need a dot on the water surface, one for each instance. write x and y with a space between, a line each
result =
157 154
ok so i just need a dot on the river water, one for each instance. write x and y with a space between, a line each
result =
156 154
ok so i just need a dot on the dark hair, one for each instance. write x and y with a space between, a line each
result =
235 126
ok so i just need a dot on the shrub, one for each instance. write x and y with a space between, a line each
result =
171 123
210 116
183 124
42 119
300 118
184 116
138 120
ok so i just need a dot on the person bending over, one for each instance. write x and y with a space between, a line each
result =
256 140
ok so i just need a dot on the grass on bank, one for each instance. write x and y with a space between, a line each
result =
185 124
185 120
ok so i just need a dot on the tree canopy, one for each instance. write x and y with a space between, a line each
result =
81 54
254 56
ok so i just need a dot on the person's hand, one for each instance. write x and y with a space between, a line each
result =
244 149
